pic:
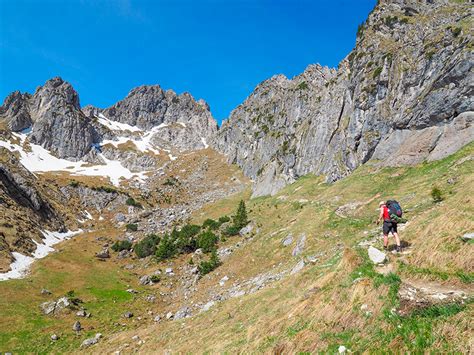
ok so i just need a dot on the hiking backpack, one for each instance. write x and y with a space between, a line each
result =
394 211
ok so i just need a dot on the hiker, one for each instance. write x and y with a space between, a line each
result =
388 226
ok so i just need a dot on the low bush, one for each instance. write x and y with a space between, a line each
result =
131 202
231 231
147 246
155 278
205 267
211 224
131 227
224 219
436 195
121 245
74 183
185 238
207 241
166 249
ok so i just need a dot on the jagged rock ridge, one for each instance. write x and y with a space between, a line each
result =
404 94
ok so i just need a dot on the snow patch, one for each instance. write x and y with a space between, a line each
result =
41 160
115 125
22 263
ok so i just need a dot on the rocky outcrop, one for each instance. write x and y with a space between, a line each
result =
59 124
26 208
54 115
406 88
16 112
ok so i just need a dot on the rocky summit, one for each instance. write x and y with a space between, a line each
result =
403 95
144 227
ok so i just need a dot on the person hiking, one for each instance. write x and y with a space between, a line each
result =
388 226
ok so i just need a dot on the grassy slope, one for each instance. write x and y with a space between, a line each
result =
316 309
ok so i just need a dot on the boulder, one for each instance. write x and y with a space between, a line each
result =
77 326
287 240
299 246
183 312
91 341
298 267
103 254
467 237
376 255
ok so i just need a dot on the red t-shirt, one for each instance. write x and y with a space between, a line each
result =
386 216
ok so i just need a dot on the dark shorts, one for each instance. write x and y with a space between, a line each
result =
389 227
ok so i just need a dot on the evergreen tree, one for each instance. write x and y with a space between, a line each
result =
240 218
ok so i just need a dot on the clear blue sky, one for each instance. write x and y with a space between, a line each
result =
218 50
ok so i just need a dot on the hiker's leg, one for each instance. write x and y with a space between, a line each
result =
397 238
385 240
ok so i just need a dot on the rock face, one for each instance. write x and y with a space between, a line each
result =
404 91
183 122
16 109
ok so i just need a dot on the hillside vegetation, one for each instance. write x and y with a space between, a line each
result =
338 297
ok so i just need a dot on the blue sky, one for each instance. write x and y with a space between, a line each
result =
218 50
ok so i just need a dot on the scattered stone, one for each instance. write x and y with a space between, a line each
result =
467 237
91 341
45 292
150 298
313 259
169 271
223 280
131 290
342 349
207 306
77 326
169 315
299 246
194 270
183 312
48 307
298 267
157 319
288 240
103 254
54 337
55 306
246 230
127 314
123 254
81 313
135 338
376 255
146 280
120 217
364 307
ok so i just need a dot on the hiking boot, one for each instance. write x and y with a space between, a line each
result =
399 249
385 248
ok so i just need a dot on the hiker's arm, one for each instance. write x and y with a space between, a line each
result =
380 215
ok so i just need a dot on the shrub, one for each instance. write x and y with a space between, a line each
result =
121 245
302 86
240 218
107 189
74 183
131 227
147 246
205 267
456 31
155 278
166 249
231 230
436 195
224 219
211 224
185 239
207 241
377 72
131 202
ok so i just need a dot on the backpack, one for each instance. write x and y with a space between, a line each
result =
395 211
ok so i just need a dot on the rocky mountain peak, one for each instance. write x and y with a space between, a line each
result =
15 108
409 75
